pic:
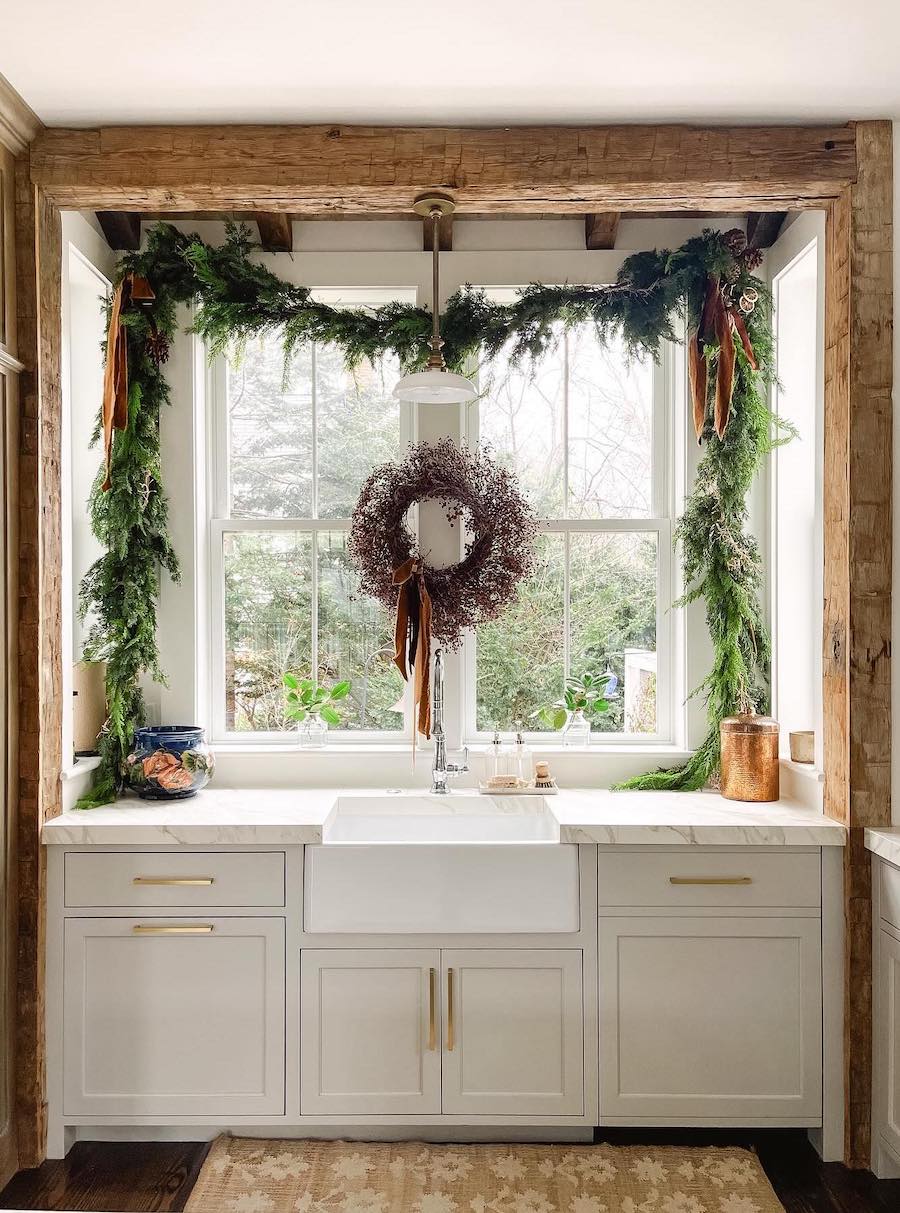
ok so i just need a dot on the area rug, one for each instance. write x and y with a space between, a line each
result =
247 1175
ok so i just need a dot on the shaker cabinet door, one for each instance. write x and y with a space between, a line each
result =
711 1017
370 1031
513 1035
172 1017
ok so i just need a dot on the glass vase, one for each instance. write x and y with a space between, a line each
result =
577 730
312 733
169 762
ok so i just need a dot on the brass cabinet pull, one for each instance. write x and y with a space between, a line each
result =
450 1020
432 1014
711 880
153 928
176 880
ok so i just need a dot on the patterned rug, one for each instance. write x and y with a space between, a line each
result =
247 1175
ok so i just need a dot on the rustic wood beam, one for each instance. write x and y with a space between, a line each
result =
275 232
763 227
370 169
38 241
600 230
445 234
857 532
122 229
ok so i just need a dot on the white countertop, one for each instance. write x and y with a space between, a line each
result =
885 842
278 817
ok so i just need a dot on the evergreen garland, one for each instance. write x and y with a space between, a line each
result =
239 299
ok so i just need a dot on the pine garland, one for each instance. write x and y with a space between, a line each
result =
239 299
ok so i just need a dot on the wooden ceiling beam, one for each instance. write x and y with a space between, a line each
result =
275 232
763 227
600 230
378 170
122 229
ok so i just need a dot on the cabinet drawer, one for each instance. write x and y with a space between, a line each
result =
709 878
889 890
161 879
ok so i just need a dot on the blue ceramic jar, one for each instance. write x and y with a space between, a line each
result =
169 762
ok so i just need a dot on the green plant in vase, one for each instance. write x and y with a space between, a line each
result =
313 707
582 698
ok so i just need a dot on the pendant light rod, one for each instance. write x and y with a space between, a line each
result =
435 207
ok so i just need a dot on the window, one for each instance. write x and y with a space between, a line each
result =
293 447
587 433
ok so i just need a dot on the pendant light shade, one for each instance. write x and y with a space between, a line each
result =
435 385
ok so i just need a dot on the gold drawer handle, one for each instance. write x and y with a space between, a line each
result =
450 1019
175 880
718 880
432 1014
193 928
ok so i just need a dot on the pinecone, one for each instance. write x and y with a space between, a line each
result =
158 347
753 258
735 241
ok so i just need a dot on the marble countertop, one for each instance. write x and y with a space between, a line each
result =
885 842
279 817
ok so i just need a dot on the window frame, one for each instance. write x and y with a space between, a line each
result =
658 522
406 275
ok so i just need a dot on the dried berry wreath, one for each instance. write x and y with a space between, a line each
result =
499 555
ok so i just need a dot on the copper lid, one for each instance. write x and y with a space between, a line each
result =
747 722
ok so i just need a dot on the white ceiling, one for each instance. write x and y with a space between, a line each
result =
473 62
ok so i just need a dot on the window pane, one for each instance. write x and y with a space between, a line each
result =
270 432
356 641
268 624
612 614
521 420
610 429
520 655
357 426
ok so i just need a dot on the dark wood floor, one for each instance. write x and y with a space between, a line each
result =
145 1177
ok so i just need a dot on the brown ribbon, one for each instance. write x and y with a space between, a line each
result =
412 635
719 321
132 288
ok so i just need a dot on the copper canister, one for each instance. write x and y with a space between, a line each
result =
749 757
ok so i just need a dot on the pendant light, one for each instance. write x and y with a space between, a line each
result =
435 385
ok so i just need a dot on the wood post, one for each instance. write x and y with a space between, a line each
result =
38 272
857 523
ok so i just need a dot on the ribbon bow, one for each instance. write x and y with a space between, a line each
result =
719 321
412 635
136 288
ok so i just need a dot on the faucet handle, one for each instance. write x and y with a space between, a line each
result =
455 768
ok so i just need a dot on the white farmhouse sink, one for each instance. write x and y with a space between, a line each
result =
458 818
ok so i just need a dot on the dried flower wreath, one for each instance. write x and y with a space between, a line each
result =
441 602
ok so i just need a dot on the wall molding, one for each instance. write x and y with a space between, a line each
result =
18 122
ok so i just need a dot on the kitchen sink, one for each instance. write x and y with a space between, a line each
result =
462 818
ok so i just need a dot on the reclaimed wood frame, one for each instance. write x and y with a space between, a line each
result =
845 170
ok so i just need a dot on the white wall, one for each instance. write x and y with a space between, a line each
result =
895 613
88 265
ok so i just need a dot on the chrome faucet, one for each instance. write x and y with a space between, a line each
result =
442 770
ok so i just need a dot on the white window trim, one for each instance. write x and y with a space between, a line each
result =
396 271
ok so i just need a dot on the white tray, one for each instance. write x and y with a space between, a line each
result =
529 791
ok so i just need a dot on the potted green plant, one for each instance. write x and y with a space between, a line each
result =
583 697
313 707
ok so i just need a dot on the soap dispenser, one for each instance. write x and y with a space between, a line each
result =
523 758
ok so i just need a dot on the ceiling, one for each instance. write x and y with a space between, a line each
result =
474 62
